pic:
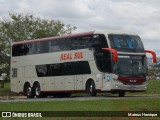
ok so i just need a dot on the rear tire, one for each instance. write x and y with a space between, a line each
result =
28 91
37 90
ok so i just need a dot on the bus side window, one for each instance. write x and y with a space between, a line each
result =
54 46
51 46
83 67
99 41
74 43
17 50
25 49
57 69
80 42
66 44
69 68
41 70
30 48
35 48
43 47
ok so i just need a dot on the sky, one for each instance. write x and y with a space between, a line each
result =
139 16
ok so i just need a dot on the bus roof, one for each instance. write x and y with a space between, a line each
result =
54 38
75 35
114 32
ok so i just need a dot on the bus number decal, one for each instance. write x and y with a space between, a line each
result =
68 56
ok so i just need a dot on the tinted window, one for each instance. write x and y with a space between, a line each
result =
126 43
74 43
99 41
130 65
81 42
43 47
82 67
55 46
25 50
30 47
16 50
103 60
61 69
59 45
42 70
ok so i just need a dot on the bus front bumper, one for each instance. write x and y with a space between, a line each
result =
133 88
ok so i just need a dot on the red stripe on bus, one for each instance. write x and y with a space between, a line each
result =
133 81
54 38
63 91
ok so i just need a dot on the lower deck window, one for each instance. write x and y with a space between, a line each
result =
61 69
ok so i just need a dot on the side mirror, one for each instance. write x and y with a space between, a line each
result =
153 55
114 53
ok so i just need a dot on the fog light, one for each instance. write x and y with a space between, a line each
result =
116 86
145 87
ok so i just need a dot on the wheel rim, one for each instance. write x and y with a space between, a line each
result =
90 88
28 91
37 91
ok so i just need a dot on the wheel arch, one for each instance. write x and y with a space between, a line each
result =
25 84
88 82
36 82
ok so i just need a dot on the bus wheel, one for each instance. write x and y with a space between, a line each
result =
91 88
37 90
28 91
121 93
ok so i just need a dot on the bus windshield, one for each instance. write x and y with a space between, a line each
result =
126 43
130 65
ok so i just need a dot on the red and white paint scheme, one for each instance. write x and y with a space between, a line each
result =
96 61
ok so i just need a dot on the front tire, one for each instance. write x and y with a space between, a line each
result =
91 88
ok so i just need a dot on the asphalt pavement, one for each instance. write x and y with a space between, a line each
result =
100 97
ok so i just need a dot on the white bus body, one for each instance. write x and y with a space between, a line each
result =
71 64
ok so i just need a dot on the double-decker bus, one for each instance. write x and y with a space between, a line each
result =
91 62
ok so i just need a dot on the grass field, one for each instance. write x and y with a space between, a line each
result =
128 105
135 104
6 90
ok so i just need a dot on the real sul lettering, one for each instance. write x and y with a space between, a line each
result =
68 56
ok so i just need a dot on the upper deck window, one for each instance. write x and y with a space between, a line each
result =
126 43
65 44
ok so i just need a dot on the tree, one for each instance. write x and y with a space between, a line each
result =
24 27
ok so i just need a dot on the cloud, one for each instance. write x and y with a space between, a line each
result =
139 16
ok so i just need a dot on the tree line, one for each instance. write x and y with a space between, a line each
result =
19 27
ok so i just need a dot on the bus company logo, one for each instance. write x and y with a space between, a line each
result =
6 114
70 56
133 81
